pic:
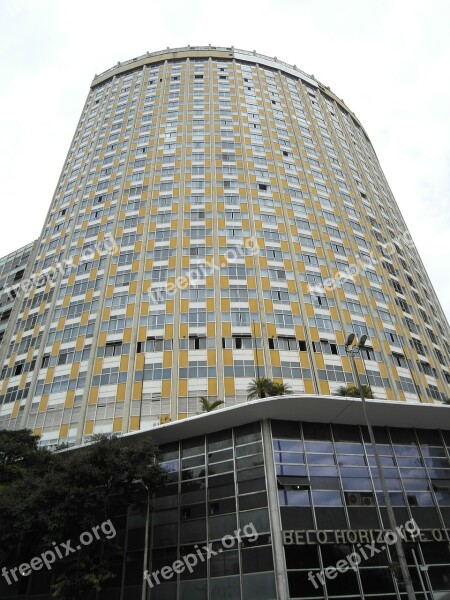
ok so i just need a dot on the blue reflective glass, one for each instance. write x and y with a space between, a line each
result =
327 498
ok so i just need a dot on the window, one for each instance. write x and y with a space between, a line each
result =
113 348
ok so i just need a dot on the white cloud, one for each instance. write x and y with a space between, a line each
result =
388 60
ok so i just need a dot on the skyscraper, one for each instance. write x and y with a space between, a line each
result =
220 216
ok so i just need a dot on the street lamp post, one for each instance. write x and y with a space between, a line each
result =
351 350
147 521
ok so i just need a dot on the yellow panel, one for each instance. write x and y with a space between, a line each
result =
183 358
274 357
167 359
130 311
211 354
253 305
49 375
70 395
37 431
117 424
137 390
124 362
121 387
360 365
212 387
227 357
346 364
166 387
43 404
320 363
210 329
164 419
304 360
229 386
74 370
88 427
56 347
383 370
64 430
210 304
182 415
182 387
93 395
346 315
271 330
134 424
314 334
15 410
268 306
324 388
127 335
84 319
226 329
340 338
98 366
334 313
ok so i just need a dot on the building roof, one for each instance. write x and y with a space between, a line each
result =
312 408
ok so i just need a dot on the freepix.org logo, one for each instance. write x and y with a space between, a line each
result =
59 551
202 553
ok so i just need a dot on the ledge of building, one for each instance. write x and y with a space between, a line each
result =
200 52
322 409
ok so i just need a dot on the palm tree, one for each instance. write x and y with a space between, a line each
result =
209 406
261 387
281 389
353 392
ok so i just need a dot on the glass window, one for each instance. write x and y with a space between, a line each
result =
224 588
225 563
260 585
327 498
193 589
259 518
376 580
293 498
222 525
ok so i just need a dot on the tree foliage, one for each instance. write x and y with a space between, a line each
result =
263 387
208 406
353 392
65 494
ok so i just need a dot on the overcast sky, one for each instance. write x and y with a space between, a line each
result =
388 60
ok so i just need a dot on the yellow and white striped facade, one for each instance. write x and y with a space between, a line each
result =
252 195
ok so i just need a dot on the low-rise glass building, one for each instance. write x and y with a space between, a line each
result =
281 499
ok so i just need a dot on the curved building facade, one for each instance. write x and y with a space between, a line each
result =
220 216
